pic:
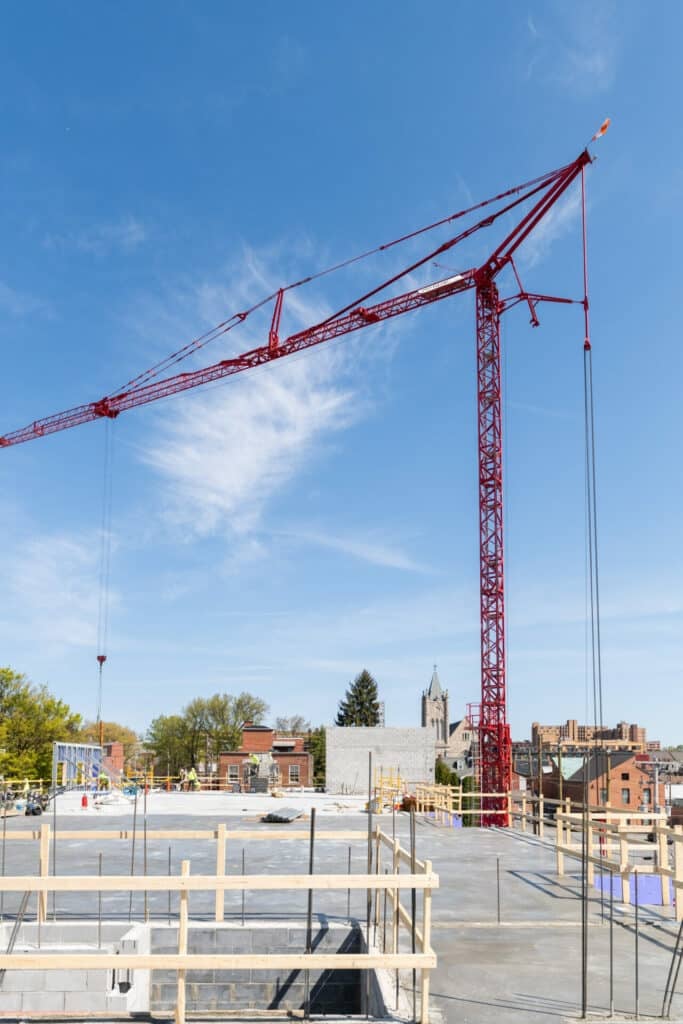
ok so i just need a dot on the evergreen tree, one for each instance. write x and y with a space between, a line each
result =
360 705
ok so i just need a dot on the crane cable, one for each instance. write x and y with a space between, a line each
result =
535 185
105 568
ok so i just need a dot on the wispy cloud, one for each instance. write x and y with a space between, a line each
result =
367 549
51 586
99 239
18 303
558 222
575 47
224 454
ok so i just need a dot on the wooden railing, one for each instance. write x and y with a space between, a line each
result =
382 887
448 802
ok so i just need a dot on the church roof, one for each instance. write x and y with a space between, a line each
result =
435 690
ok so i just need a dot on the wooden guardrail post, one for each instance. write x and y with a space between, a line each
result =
541 822
182 946
43 868
559 840
678 871
220 871
663 862
426 947
625 870
524 812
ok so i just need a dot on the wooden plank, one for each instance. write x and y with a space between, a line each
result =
214 961
196 883
342 835
182 947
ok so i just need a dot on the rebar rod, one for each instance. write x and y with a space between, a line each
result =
243 893
348 891
144 846
132 852
4 843
309 920
99 905
368 902
636 951
611 943
19 920
169 891
413 906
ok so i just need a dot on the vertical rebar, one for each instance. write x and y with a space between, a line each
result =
637 964
611 943
132 852
99 904
498 884
169 891
144 845
584 894
384 923
4 841
54 838
243 887
309 921
348 891
368 901
413 906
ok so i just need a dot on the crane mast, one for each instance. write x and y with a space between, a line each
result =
494 731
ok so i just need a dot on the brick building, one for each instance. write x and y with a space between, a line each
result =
264 760
623 779
571 734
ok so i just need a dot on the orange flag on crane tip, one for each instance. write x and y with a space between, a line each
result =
602 130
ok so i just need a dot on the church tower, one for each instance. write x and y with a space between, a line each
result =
435 712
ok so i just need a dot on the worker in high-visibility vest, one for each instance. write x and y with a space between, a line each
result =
103 780
192 779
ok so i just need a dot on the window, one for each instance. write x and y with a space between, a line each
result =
466 737
293 773
233 773
626 796
647 795
603 796
624 776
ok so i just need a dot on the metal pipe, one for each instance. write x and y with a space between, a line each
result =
611 943
384 923
584 894
348 891
309 921
368 901
4 841
99 905
637 963
413 906
144 845
498 883
54 835
132 852
169 891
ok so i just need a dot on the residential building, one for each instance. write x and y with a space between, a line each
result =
264 760
623 779
572 735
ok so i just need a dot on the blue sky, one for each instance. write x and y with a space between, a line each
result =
163 165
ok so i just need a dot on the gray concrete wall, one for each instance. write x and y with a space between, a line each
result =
331 992
410 751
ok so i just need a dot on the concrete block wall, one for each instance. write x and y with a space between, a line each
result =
213 991
410 751
88 990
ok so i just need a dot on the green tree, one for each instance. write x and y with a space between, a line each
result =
360 705
113 732
205 727
31 719
469 802
317 747
294 725
443 775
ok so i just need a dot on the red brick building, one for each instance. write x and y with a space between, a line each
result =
621 778
279 760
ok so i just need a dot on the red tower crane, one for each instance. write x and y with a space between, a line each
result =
545 191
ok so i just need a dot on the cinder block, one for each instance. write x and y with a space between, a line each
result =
10 1001
24 981
116 1003
98 981
84 1002
200 977
48 1002
201 941
65 981
233 941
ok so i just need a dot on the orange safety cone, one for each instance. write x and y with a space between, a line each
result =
84 800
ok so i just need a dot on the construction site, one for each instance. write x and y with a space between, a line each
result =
387 897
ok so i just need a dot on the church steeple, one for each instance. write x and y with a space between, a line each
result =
434 692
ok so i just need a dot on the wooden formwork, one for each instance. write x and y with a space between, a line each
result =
391 882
